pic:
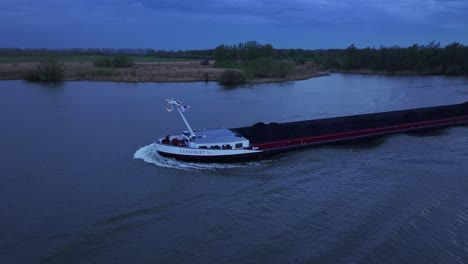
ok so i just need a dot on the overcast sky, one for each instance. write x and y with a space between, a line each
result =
203 24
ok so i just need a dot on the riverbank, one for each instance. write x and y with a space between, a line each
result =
376 72
147 72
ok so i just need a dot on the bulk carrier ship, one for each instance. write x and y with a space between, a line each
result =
265 140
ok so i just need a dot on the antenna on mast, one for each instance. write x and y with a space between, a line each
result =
172 106
181 108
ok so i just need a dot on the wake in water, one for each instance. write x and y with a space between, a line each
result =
149 154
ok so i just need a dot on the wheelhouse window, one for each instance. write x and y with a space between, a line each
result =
239 145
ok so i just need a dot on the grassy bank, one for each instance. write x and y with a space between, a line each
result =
145 72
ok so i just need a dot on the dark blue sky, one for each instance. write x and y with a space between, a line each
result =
200 24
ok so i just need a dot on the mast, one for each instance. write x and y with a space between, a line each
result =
180 109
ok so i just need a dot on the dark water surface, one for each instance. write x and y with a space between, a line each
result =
80 182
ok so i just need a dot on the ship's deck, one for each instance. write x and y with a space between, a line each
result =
217 136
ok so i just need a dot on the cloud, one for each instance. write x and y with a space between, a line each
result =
300 13
221 20
424 11
278 13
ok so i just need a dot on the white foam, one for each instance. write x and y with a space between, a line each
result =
149 154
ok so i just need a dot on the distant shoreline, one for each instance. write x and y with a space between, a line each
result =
147 72
383 72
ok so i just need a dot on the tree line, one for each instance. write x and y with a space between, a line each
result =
243 52
423 59
251 59
180 54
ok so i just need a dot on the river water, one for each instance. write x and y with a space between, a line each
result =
80 181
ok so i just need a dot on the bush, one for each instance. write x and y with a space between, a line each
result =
268 68
122 61
231 77
284 69
261 68
117 61
300 61
454 70
103 62
49 70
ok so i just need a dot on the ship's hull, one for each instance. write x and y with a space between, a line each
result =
272 139
221 159
208 155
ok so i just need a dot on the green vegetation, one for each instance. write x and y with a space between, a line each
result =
232 77
300 61
183 54
16 55
38 58
103 62
47 71
420 59
429 59
269 68
254 59
116 61
122 61
243 53
83 58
